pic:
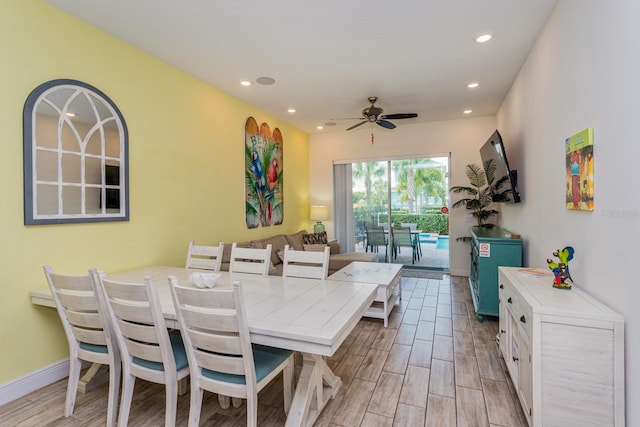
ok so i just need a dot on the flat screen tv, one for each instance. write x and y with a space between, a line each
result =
502 180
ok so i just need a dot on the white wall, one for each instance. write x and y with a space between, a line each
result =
584 71
462 138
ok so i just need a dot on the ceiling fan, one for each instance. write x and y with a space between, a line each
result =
373 114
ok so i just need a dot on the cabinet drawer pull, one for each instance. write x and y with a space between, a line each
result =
515 359
522 319
501 286
502 331
509 301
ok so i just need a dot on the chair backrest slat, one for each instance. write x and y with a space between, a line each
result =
220 363
85 302
90 336
307 264
225 322
250 260
221 344
133 312
205 257
84 319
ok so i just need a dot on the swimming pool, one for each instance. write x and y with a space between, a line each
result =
441 242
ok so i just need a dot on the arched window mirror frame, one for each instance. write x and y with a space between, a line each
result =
96 187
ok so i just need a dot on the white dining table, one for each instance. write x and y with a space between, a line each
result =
306 315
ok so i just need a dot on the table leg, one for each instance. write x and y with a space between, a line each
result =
96 375
316 385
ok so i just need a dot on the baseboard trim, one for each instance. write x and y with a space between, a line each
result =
33 381
459 272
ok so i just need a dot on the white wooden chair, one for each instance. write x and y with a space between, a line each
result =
84 317
309 264
204 257
148 350
250 260
221 357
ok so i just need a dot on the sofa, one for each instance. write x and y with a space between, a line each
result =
299 241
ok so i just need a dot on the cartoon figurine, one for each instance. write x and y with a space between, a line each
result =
561 269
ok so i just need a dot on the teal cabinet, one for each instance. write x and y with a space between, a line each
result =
490 249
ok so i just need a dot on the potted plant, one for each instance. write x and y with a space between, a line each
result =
483 190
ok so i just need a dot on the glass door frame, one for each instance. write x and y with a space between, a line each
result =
388 160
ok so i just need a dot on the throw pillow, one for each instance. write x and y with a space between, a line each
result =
315 238
296 240
318 247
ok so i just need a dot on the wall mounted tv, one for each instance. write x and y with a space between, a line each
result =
503 180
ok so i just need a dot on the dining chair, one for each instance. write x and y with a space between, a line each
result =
415 234
221 357
402 237
308 264
375 238
149 351
84 318
250 260
204 257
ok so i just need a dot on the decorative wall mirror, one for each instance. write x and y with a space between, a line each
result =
75 156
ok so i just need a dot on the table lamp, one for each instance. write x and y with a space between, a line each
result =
319 214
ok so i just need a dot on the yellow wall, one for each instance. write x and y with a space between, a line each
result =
186 170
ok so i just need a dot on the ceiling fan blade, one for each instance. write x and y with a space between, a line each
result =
357 124
385 124
399 116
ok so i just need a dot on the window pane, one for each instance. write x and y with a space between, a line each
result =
71 200
47 199
71 171
93 200
46 166
92 171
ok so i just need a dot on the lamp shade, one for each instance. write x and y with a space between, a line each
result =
319 213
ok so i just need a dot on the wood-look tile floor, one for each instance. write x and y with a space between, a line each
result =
435 365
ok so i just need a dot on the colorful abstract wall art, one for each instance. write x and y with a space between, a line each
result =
579 165
263 174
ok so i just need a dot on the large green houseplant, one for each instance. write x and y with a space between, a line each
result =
483 190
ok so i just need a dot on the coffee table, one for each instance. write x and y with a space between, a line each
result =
386 276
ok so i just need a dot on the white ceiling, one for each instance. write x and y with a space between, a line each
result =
328 56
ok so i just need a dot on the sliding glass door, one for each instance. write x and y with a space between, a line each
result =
400 210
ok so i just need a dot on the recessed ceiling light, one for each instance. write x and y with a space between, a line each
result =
468 111
319 127
245 83
70 114
483 38
473 85
265 80
291 110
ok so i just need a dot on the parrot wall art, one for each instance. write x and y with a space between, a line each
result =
263 175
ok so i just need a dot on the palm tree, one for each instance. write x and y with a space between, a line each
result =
406 173
417 176
432 183
368 170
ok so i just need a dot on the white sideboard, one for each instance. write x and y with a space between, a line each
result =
564 352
